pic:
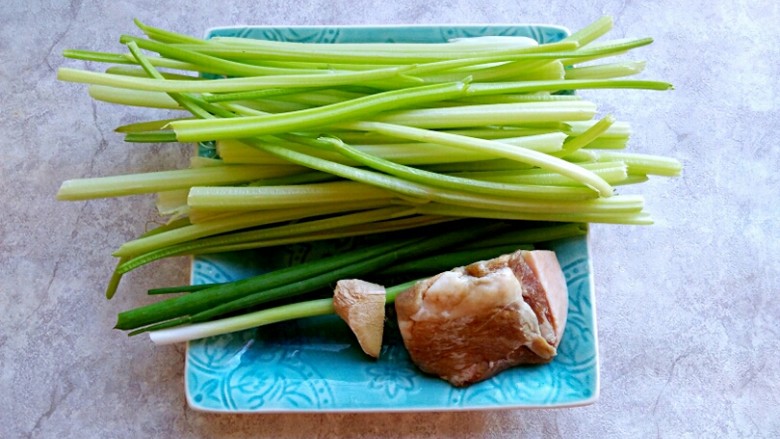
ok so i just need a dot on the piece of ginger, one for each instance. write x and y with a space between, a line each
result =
362 305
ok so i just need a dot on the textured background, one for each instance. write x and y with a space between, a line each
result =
687 308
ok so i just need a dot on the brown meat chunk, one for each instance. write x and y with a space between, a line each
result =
470 323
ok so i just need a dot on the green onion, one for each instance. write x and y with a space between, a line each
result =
201 325
293 311
289 281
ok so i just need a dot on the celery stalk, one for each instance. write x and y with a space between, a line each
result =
284 197
496 149
133 184
460 183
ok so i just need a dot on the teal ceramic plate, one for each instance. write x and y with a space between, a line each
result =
315 365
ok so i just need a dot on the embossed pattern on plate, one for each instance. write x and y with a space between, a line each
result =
316 365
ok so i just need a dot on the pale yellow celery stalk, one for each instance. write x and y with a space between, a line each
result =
135 98
611 172
173 203
605 71
203 162
493 148
282 197
633 218
618 130
491 114
647 164
237 222
150 182
235 151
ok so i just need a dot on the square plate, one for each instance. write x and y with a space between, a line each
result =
316 365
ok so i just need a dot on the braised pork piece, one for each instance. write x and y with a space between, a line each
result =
470 323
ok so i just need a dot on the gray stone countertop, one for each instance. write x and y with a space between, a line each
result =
687 309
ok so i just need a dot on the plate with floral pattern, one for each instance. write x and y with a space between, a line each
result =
316 365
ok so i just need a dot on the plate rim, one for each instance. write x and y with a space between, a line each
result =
212 29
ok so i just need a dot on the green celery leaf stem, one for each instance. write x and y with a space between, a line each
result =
126 58
459 183
226 85
255 94
251 126
216 65
438 59
454 49
194 104
141 73
489 72
457 198
183 100
166 36
152 136
592 31
611 172
145 126
91 55
486 89
403 188
113 281
497 149
574 143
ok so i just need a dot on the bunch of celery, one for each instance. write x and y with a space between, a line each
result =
319 141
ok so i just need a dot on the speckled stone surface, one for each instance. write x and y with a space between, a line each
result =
687 309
